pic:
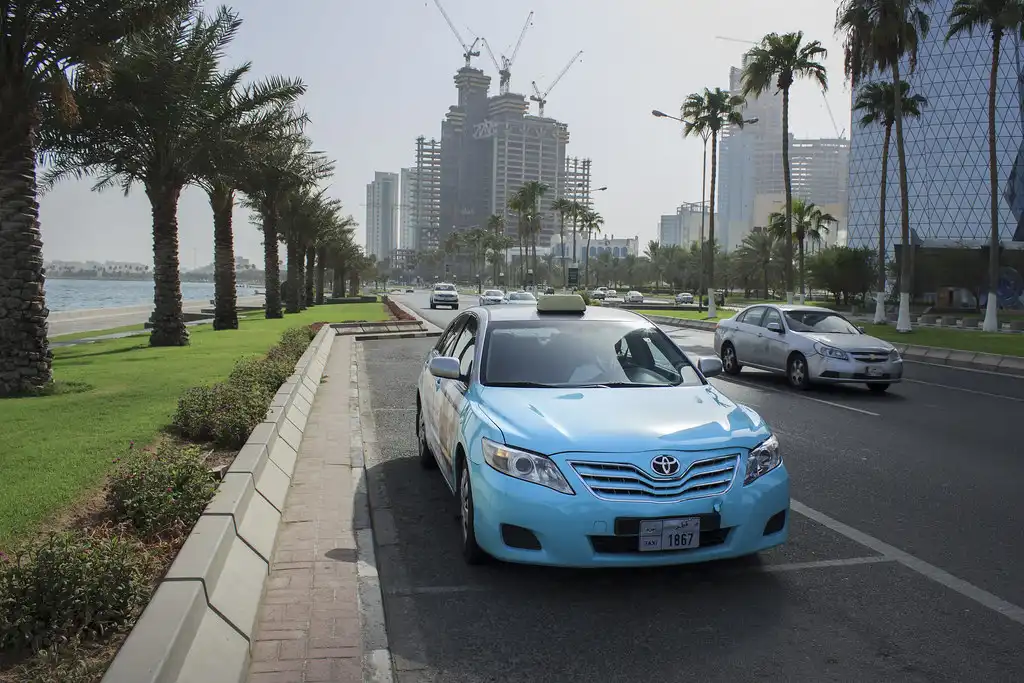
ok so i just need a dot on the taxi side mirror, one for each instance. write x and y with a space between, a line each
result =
445 367
710 366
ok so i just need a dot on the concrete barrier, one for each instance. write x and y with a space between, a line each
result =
199 624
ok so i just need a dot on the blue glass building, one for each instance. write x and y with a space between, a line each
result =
947 148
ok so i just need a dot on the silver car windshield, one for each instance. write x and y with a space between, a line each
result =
444 288
568 353
521 296
494 293
823 322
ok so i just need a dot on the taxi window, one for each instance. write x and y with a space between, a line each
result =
465 346
447 341
560 353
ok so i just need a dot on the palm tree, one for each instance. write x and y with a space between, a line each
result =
999 18
565 208
149 122
249 117
41 44
808 222
335 238
532 193
287 166
519 204
778 61
496 226
705 114
757 252
879 35
452 247
591 221
877 103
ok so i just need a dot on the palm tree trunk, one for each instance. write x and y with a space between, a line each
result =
880 292
903 321
788 245
321 275
271 264
225 315
293 303
711 226
803 293
308 294
339 282
26 361
586 262
561 239
991 323
168 321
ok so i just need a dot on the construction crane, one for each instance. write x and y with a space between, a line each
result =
542 99
469 51
505 67
828 107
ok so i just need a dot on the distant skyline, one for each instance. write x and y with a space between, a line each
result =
371 93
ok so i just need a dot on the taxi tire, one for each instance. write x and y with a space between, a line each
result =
471 552
426 457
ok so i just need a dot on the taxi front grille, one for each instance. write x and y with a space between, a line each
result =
627 482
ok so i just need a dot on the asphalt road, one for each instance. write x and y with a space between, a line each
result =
904 561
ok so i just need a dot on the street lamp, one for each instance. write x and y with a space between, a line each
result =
705 135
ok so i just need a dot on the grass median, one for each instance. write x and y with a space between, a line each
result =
58 448
685 315
1001 343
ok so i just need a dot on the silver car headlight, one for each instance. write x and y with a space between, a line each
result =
894 355
830 351
763 459
530 467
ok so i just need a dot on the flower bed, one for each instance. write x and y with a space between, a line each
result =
397 311
68 598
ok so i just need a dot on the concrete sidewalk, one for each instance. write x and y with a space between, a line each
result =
309 624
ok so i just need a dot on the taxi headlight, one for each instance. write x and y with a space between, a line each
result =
530 467
763 459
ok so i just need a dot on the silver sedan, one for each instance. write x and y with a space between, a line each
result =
808 344
491 297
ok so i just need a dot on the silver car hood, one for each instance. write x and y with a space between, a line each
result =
849 342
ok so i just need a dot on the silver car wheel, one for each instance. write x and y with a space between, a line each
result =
798 372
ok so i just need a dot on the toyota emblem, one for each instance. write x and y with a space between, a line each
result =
665 465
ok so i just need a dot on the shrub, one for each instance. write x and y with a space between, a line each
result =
162 491
71 585
226 413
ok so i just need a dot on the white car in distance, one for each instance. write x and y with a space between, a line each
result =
444 294
634 297
491 297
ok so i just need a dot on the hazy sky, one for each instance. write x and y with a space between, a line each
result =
380 74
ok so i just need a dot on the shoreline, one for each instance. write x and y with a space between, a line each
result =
90 319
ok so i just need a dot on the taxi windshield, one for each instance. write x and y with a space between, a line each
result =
575 353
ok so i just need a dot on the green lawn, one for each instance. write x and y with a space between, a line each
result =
58 448
964 340
686 315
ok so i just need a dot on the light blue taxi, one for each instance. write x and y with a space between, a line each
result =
584 437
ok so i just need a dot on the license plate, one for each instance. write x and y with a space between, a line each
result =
669 534
874 372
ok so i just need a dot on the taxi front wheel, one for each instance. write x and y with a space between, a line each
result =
427 460
471 552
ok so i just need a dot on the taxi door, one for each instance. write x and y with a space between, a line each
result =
452 395
430 386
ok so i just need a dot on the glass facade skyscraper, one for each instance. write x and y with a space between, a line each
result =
947 148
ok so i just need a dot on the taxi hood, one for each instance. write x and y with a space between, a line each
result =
620 420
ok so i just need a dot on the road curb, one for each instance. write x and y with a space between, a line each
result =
397 335
427 325
199 624
706 325
969 360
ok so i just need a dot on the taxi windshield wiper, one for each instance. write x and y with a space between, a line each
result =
532 385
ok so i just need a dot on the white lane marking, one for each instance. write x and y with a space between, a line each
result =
940 576
966 391
802 396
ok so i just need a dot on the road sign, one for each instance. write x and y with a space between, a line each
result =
574 277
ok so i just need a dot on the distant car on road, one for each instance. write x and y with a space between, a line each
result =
410 290
808 344
634 297
598 293
684 298
549 290
521 298
444 294
673 472
491 297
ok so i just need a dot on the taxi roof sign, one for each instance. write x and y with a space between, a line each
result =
561 303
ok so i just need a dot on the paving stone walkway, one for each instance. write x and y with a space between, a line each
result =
309 623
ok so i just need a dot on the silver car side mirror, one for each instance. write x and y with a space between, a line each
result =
445 367
776 328
710 366
860 328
